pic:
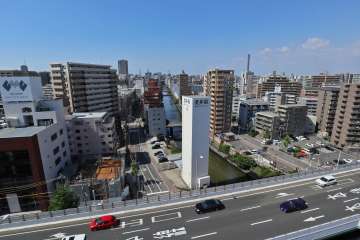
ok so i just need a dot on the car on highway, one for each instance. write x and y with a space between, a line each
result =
293 205
103 222
163 159
156 146
326 181
75 237
209 206
158 153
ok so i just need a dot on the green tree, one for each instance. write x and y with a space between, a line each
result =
243 162
253 132
266 134
224 148
63 198
286 141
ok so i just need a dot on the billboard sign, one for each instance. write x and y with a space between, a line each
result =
15 89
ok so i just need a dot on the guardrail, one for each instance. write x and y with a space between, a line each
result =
111 205
324 230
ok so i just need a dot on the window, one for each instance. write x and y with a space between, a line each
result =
54 137
103 143
77 131
56 150
57 161
64 154
26 110
78 138
61 132
63 144
79 144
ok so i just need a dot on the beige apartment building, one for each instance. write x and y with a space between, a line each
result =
326 109
85 87
219 86
272 81
346 131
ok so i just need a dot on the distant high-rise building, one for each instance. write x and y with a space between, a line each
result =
326 109
274 80
219 86
346 130
313 84
123 67
184 88
85 87
24 68
195 144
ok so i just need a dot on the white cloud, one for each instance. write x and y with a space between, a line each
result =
284 49
266 51
315 43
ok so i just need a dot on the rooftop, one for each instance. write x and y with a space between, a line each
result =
20 132
87 115
255 102
268 114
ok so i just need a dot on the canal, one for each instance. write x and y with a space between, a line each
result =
220 171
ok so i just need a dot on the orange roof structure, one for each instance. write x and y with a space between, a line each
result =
109 169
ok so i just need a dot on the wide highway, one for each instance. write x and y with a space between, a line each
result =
250 215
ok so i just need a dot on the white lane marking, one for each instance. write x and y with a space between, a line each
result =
265 221
312 219
282 186
141 169
197 219
156 193
316 187
335 189
249 208
345 181
280 195
155 180
139 230
310 210
338 195
204 235
154 220
354 207
349 200
355 190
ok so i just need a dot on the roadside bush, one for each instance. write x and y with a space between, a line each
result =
243 162
224 148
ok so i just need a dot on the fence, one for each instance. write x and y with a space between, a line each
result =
89 209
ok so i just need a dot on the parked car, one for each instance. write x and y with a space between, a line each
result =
156 146
209 206
158 153
155 141
340 161
163 159
293 205
75 237
104 222
326 181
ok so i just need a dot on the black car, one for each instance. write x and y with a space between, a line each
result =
293 205
158 153
209 206
163 159
156 147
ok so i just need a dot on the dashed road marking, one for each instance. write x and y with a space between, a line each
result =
204 235
139 230
174 215
335 189
249 208
265 221
310 210
350 200
197 219
280 195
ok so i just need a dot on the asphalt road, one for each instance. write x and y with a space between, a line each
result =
252 215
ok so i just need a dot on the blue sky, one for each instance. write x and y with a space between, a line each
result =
292 36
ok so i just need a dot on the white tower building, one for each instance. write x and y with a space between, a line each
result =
195 140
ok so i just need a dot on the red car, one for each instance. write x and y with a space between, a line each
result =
103 222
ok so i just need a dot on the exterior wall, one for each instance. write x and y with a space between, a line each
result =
287 87
219 86
156 120
195 144
311 104
248 111
267 121
346 131
293 118
91 137
30 145
54 152
85 87
326 109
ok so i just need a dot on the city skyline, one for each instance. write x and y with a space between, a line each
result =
298 37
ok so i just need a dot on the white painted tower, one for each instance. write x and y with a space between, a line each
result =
195 140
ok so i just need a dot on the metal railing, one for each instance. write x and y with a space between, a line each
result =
89 209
